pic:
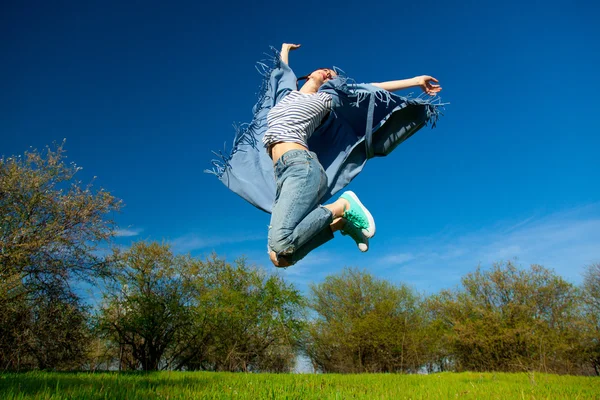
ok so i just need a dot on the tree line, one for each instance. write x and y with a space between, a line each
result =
153 309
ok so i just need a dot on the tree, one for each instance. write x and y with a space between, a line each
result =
14 321
508 319
146 306
364 324
243 320
57 332
591 300
50 225
50 228
167 311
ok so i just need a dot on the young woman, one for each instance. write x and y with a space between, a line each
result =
298 223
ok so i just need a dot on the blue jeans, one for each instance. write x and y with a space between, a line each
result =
298 223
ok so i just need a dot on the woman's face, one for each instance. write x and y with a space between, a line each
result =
322 75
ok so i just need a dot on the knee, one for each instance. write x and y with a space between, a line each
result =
280 243
281 248
273 257
280 261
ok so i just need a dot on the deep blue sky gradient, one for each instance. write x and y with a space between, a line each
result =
143 91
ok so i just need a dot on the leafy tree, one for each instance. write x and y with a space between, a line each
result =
364 324
244 320
50 227
591 299
508 319
14 320
103 354
437 351
146 306
58 331
167 311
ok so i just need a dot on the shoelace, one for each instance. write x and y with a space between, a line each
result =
356 219
354 232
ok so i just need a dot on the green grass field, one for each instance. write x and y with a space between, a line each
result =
207 385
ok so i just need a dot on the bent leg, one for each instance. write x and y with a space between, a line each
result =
298 224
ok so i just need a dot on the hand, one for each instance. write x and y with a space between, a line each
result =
289 46
425 82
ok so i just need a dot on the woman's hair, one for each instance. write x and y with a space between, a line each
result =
305 77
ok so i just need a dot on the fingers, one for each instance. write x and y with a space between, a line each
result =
430 88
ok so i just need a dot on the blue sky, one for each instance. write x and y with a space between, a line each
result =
143 91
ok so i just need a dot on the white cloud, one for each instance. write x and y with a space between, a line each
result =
312 269
194 241
398 258
127 232
566 242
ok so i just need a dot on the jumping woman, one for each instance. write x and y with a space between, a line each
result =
298 223
304 145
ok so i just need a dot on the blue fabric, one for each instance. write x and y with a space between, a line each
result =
365 122
298 224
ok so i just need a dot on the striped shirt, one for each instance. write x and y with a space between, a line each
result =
296 117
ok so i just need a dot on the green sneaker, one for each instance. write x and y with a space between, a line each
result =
358 215
356 233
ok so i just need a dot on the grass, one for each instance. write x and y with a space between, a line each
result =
209 385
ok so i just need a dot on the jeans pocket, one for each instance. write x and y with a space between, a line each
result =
296 162
298 157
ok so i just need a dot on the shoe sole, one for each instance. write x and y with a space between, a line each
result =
369 233
364 248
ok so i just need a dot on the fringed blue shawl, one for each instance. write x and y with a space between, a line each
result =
365 122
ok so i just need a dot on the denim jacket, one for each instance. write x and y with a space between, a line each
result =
365 122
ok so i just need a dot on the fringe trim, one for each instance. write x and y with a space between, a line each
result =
434 105
245 132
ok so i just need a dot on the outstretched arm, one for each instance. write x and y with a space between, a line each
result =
423 81
285 51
